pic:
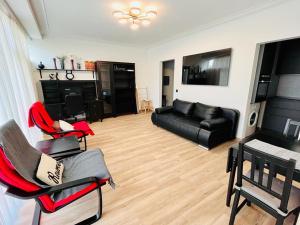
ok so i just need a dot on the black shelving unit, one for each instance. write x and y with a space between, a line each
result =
117 87
68 71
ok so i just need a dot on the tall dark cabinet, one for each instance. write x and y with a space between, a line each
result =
117 87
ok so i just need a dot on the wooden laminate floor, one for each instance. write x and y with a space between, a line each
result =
161 179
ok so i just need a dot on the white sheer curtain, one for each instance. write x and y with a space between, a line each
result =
16 86
16 94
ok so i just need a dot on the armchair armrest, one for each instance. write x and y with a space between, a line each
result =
51 189
68 131
214 124
164 109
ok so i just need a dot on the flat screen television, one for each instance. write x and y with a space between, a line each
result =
209 68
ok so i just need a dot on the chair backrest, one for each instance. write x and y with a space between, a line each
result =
39 117
296 125
142 94
74 104
261 161
9 177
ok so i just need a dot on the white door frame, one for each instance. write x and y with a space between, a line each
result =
161 79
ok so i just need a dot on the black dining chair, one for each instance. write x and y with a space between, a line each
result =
278 198
292 124
74 107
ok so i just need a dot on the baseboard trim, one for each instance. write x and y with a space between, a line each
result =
201 146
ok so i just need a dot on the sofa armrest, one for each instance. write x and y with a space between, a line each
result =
164 109
214 124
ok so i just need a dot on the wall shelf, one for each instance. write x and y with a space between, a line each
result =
68 71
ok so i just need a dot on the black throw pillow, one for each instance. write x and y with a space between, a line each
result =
206 112
183 107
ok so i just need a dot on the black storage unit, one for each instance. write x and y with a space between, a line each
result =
54 92
275 60
117 87
278 110
289 58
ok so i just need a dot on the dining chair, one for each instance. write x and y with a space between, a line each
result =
278 198
74 107
289 124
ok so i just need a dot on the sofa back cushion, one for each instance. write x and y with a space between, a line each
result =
183 107
206 112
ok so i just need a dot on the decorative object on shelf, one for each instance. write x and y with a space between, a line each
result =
55 65
41 66
69 75
89 65
56 76
135 15
78 66
51 76
62 62
72 64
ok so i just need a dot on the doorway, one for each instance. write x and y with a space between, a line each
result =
167 82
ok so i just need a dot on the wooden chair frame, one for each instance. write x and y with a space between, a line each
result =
260 161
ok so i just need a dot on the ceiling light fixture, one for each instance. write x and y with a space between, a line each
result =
135 15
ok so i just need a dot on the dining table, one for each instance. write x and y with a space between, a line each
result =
270 139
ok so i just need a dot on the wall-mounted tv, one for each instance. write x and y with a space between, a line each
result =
209 68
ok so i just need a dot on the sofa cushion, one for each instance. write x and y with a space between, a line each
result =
206 112
183 107
218 123
182 125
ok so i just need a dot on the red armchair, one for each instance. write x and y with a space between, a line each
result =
49 199
38 116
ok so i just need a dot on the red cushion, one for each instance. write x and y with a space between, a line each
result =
9 175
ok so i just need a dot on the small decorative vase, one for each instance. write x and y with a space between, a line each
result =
55 65
62 64
72 63
41 66
78 66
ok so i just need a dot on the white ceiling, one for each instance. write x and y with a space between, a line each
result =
92 19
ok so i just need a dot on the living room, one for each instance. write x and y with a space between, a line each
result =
168 161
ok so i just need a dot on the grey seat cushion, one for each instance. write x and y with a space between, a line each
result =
277 186
87 164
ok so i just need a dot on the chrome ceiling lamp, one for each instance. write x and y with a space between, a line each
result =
135 16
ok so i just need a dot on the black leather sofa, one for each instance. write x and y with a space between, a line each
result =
204 124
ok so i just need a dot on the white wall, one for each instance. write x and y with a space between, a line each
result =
45 50
242 35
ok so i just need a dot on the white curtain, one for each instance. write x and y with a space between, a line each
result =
16 95
16 86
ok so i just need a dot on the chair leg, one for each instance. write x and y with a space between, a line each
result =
230 182
279 220
37 214
84 139
296 217
234 207
96 217
248 203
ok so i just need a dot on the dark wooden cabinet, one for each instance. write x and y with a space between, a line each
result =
289 58
117 87
54 92
266 80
